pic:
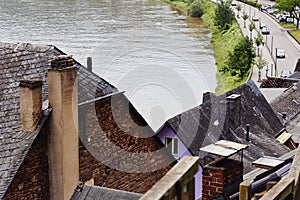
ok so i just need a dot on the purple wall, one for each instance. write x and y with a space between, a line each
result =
183 151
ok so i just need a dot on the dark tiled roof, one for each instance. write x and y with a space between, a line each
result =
23 61
205 124
83 192
287 105
297 68
296 74
273 82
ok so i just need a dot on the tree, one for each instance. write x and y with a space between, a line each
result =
289 6
260 63
245 17
238 8
242 57
251 28
223 15
258 41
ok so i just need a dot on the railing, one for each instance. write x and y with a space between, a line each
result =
178 183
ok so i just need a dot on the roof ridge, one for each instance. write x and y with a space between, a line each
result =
40 48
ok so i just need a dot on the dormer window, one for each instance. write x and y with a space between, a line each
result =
172 145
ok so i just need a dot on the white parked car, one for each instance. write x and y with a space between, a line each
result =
280 53
255 18
285 73
265 31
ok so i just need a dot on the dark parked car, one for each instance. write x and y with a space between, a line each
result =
261 25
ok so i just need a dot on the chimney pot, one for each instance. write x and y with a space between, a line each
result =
62 62
247 132
89 64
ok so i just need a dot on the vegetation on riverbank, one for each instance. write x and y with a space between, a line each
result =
224 42
296 34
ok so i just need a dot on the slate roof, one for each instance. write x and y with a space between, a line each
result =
273 82
296 74
23 61
83 192
205 124
297 68
287 105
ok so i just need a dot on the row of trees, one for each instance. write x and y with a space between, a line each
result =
242 58
243 55
289 6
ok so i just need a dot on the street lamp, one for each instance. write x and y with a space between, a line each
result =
275 62
272 47
267 70
271 69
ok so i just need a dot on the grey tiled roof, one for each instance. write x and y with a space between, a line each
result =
287 105
274 82
210 125
100 193
23 61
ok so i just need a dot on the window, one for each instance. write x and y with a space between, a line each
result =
172 145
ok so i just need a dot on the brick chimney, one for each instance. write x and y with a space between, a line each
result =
30 103
233 112
63 139
221 178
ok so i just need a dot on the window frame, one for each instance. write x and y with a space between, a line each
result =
171 141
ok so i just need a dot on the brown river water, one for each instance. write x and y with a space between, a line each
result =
163 60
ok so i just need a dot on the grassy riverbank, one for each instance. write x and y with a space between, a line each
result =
296 34
223 42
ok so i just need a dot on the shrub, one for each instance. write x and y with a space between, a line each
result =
196 8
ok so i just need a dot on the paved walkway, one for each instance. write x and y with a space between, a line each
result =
266 54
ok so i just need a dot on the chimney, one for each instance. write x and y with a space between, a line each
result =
206 97
221 178
63 139
248 133
233 115
89 64
30 103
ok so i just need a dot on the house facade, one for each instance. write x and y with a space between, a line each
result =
37 144
241 115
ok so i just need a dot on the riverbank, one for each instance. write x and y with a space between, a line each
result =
223 42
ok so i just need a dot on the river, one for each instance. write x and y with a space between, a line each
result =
163 60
